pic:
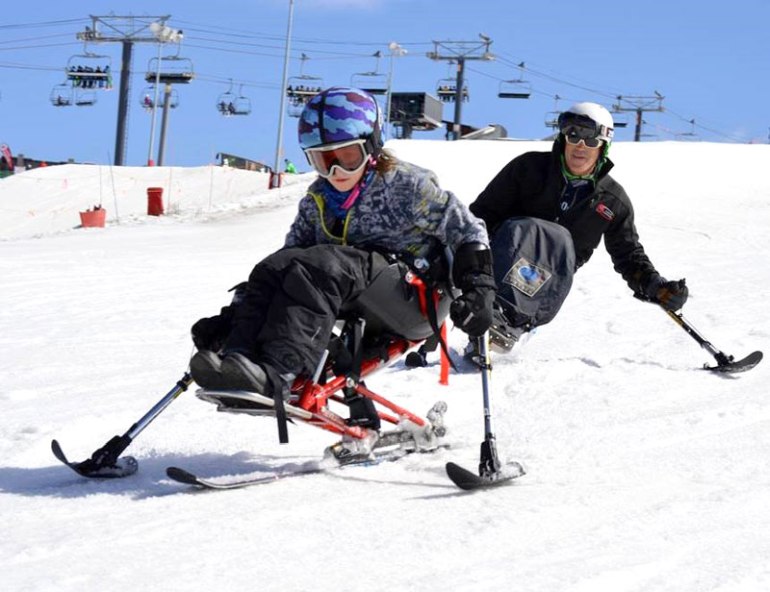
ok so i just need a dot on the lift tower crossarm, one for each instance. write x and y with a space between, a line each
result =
460 51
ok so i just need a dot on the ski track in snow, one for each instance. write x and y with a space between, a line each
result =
644 472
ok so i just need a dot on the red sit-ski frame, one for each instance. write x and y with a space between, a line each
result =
313 397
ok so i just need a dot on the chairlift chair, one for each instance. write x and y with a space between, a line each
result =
84 98
299 90
242 105
552 119
147 99
514 89
372 82
687 135
446 88
170 70
61 95
90 70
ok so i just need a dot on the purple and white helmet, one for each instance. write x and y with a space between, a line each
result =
341 114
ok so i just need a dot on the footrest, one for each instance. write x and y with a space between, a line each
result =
235 401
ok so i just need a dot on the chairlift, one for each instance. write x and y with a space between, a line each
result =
552 117
687 135
372 82
147 99
514 89
228 103
90 70
170 70
375 82
446 89
61 95
300 89
84 98
620 122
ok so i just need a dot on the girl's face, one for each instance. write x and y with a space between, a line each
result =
343 181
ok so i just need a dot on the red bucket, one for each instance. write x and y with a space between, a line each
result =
275 180
93 218
155 201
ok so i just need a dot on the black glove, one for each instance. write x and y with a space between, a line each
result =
472 312
671 295
472 272
210 332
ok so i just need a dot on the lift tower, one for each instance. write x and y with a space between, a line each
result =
459 52
125 30
639 105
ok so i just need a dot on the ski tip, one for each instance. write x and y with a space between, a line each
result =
737 366
468 481
181 475
463 478
58 452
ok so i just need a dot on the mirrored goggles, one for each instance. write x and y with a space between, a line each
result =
350 156
574 134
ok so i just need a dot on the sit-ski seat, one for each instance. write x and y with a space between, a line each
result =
390 318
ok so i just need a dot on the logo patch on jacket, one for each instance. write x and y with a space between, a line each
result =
605 212
526 277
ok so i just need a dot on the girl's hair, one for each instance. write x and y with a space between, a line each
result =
386 161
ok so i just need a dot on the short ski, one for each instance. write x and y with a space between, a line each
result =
468 481
732 367
94 467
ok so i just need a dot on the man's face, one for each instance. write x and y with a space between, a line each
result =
580 159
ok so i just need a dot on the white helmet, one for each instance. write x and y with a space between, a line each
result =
590 115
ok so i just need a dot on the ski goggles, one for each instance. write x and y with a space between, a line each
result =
575 134
350 157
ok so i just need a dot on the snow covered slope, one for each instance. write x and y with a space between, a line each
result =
644 472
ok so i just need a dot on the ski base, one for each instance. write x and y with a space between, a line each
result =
188 478
736 366
469 481
121 467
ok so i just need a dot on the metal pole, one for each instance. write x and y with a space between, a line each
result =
459 98
638 131
275 180
164 124
390 87
150 162
395 48
125 82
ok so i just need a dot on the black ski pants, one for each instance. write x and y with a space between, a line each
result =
292 301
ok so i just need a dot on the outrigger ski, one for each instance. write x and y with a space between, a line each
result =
98 466
469 481
727 365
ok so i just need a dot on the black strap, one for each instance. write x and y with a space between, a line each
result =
430 305
275 387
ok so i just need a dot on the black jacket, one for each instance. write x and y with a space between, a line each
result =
532 184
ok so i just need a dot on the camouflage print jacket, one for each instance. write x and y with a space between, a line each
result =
403 212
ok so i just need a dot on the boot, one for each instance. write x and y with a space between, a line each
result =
206 369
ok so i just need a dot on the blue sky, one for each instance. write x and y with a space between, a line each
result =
709 62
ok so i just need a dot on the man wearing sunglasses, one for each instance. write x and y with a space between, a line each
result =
569 187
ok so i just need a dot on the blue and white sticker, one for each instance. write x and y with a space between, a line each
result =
526 277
